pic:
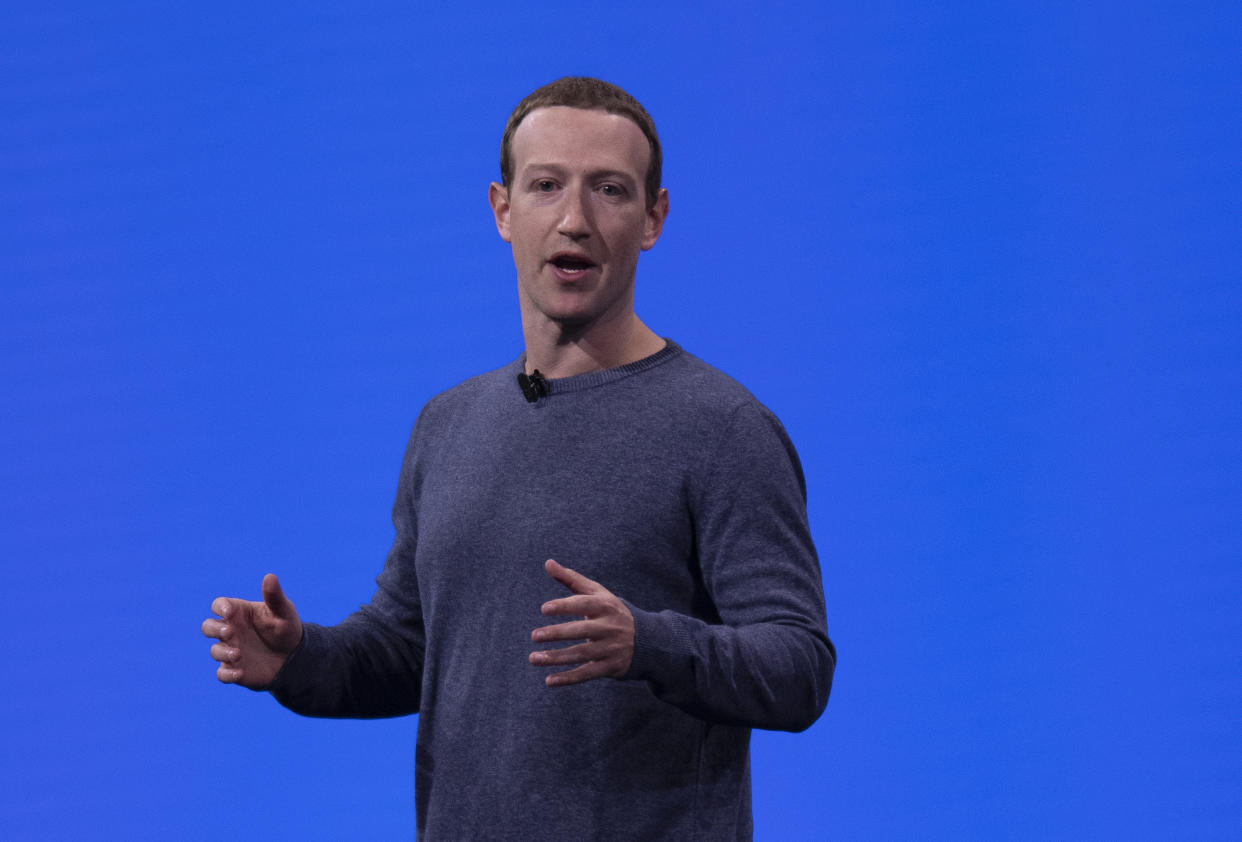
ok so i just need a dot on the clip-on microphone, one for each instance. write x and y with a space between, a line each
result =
533 387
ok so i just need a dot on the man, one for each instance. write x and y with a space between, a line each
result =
619 480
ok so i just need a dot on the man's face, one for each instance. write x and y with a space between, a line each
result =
576 214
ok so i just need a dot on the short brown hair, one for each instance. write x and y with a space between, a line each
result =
591 94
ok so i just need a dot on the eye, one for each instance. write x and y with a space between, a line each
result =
612 190
545 185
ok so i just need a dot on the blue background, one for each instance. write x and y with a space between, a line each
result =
982 259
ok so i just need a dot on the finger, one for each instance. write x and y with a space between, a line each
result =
222 606
579 654
586 672
225 654
582 606
574 630
213 628
228 675
275 598
572 579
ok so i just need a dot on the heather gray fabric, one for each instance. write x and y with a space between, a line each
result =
668 483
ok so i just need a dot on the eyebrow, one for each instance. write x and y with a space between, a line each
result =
557 169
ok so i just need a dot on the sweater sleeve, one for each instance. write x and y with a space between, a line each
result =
765 659
371 664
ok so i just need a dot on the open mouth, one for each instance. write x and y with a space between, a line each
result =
571 265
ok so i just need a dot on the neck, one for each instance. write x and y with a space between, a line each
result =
558 350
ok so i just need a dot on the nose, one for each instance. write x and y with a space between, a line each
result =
575 222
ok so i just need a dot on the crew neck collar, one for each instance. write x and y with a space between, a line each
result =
591 379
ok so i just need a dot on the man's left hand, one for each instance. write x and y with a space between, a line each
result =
607 633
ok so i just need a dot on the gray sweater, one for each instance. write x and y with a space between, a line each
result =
669 484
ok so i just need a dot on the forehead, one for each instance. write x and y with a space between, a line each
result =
580 138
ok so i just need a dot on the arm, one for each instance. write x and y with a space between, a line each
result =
371 664
765 659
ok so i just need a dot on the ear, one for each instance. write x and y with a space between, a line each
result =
498 196
655 219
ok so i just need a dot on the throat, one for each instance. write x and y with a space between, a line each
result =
563 351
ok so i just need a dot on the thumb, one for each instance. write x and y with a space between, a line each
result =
275 598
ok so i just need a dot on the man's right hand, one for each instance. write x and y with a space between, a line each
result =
253 639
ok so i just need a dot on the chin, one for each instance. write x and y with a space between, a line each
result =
572 320
576 311
570 313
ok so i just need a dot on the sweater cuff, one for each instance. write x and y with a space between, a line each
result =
663 646
296 681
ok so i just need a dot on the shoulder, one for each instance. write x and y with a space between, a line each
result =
732 446
472 395
475 403
713 422
702 389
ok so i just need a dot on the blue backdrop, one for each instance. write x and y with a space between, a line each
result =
982 259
